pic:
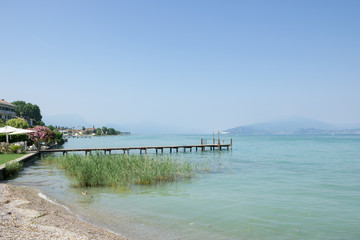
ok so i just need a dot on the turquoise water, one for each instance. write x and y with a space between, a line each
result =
267 187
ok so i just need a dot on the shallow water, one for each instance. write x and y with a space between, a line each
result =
267 187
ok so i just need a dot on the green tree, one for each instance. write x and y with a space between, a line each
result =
98 131
111 131
27 110
40 123
104 130
51 127
59 138
2 122
18 123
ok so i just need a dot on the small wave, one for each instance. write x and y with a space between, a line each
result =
43 196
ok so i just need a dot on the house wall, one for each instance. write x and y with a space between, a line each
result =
7 111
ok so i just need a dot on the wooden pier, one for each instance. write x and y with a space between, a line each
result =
145 149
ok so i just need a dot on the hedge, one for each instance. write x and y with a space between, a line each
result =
14 138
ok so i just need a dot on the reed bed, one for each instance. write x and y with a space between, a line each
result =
118 170
12 169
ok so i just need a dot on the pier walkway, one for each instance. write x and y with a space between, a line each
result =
202 147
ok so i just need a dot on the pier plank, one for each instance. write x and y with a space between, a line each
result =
203 147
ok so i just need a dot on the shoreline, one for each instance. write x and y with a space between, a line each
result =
25 214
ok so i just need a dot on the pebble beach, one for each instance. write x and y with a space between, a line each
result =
25 215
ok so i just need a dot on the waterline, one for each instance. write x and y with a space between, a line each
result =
292 187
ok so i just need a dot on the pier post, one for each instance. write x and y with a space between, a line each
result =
145 151
219 146
170 150
162 150
128 151
86 153
231 143
184 149
156 150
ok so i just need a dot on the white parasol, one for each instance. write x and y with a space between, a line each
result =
7 130
22 131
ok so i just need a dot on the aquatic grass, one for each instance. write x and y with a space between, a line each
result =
12 169
97 170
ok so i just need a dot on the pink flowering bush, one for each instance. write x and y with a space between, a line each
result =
42 134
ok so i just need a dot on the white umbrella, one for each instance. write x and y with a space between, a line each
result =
22 131
7 130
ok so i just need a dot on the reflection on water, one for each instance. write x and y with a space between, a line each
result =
267 187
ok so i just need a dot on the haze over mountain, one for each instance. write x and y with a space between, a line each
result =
291 126
295 125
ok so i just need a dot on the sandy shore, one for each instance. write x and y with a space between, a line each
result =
25 215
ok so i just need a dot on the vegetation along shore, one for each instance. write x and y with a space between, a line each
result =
122 170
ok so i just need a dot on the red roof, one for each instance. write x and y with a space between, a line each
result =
6 103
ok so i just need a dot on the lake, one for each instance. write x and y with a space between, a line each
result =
266 187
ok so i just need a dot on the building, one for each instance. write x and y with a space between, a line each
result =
7 110
91 130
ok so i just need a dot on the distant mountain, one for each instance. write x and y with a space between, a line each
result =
66 120
290 126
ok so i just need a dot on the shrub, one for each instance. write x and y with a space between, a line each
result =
42 134
4 147
59 138
18 123
16 148
12 169
14 138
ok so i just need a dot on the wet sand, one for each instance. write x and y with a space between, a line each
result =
25 215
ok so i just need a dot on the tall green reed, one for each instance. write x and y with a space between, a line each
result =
12 169
118 170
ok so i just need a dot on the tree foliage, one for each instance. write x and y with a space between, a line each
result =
2 122
42 134
27 110
18 123
111 131
104 130
59 138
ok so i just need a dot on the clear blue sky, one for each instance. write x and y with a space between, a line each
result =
203 65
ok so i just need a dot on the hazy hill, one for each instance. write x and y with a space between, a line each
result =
289 126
